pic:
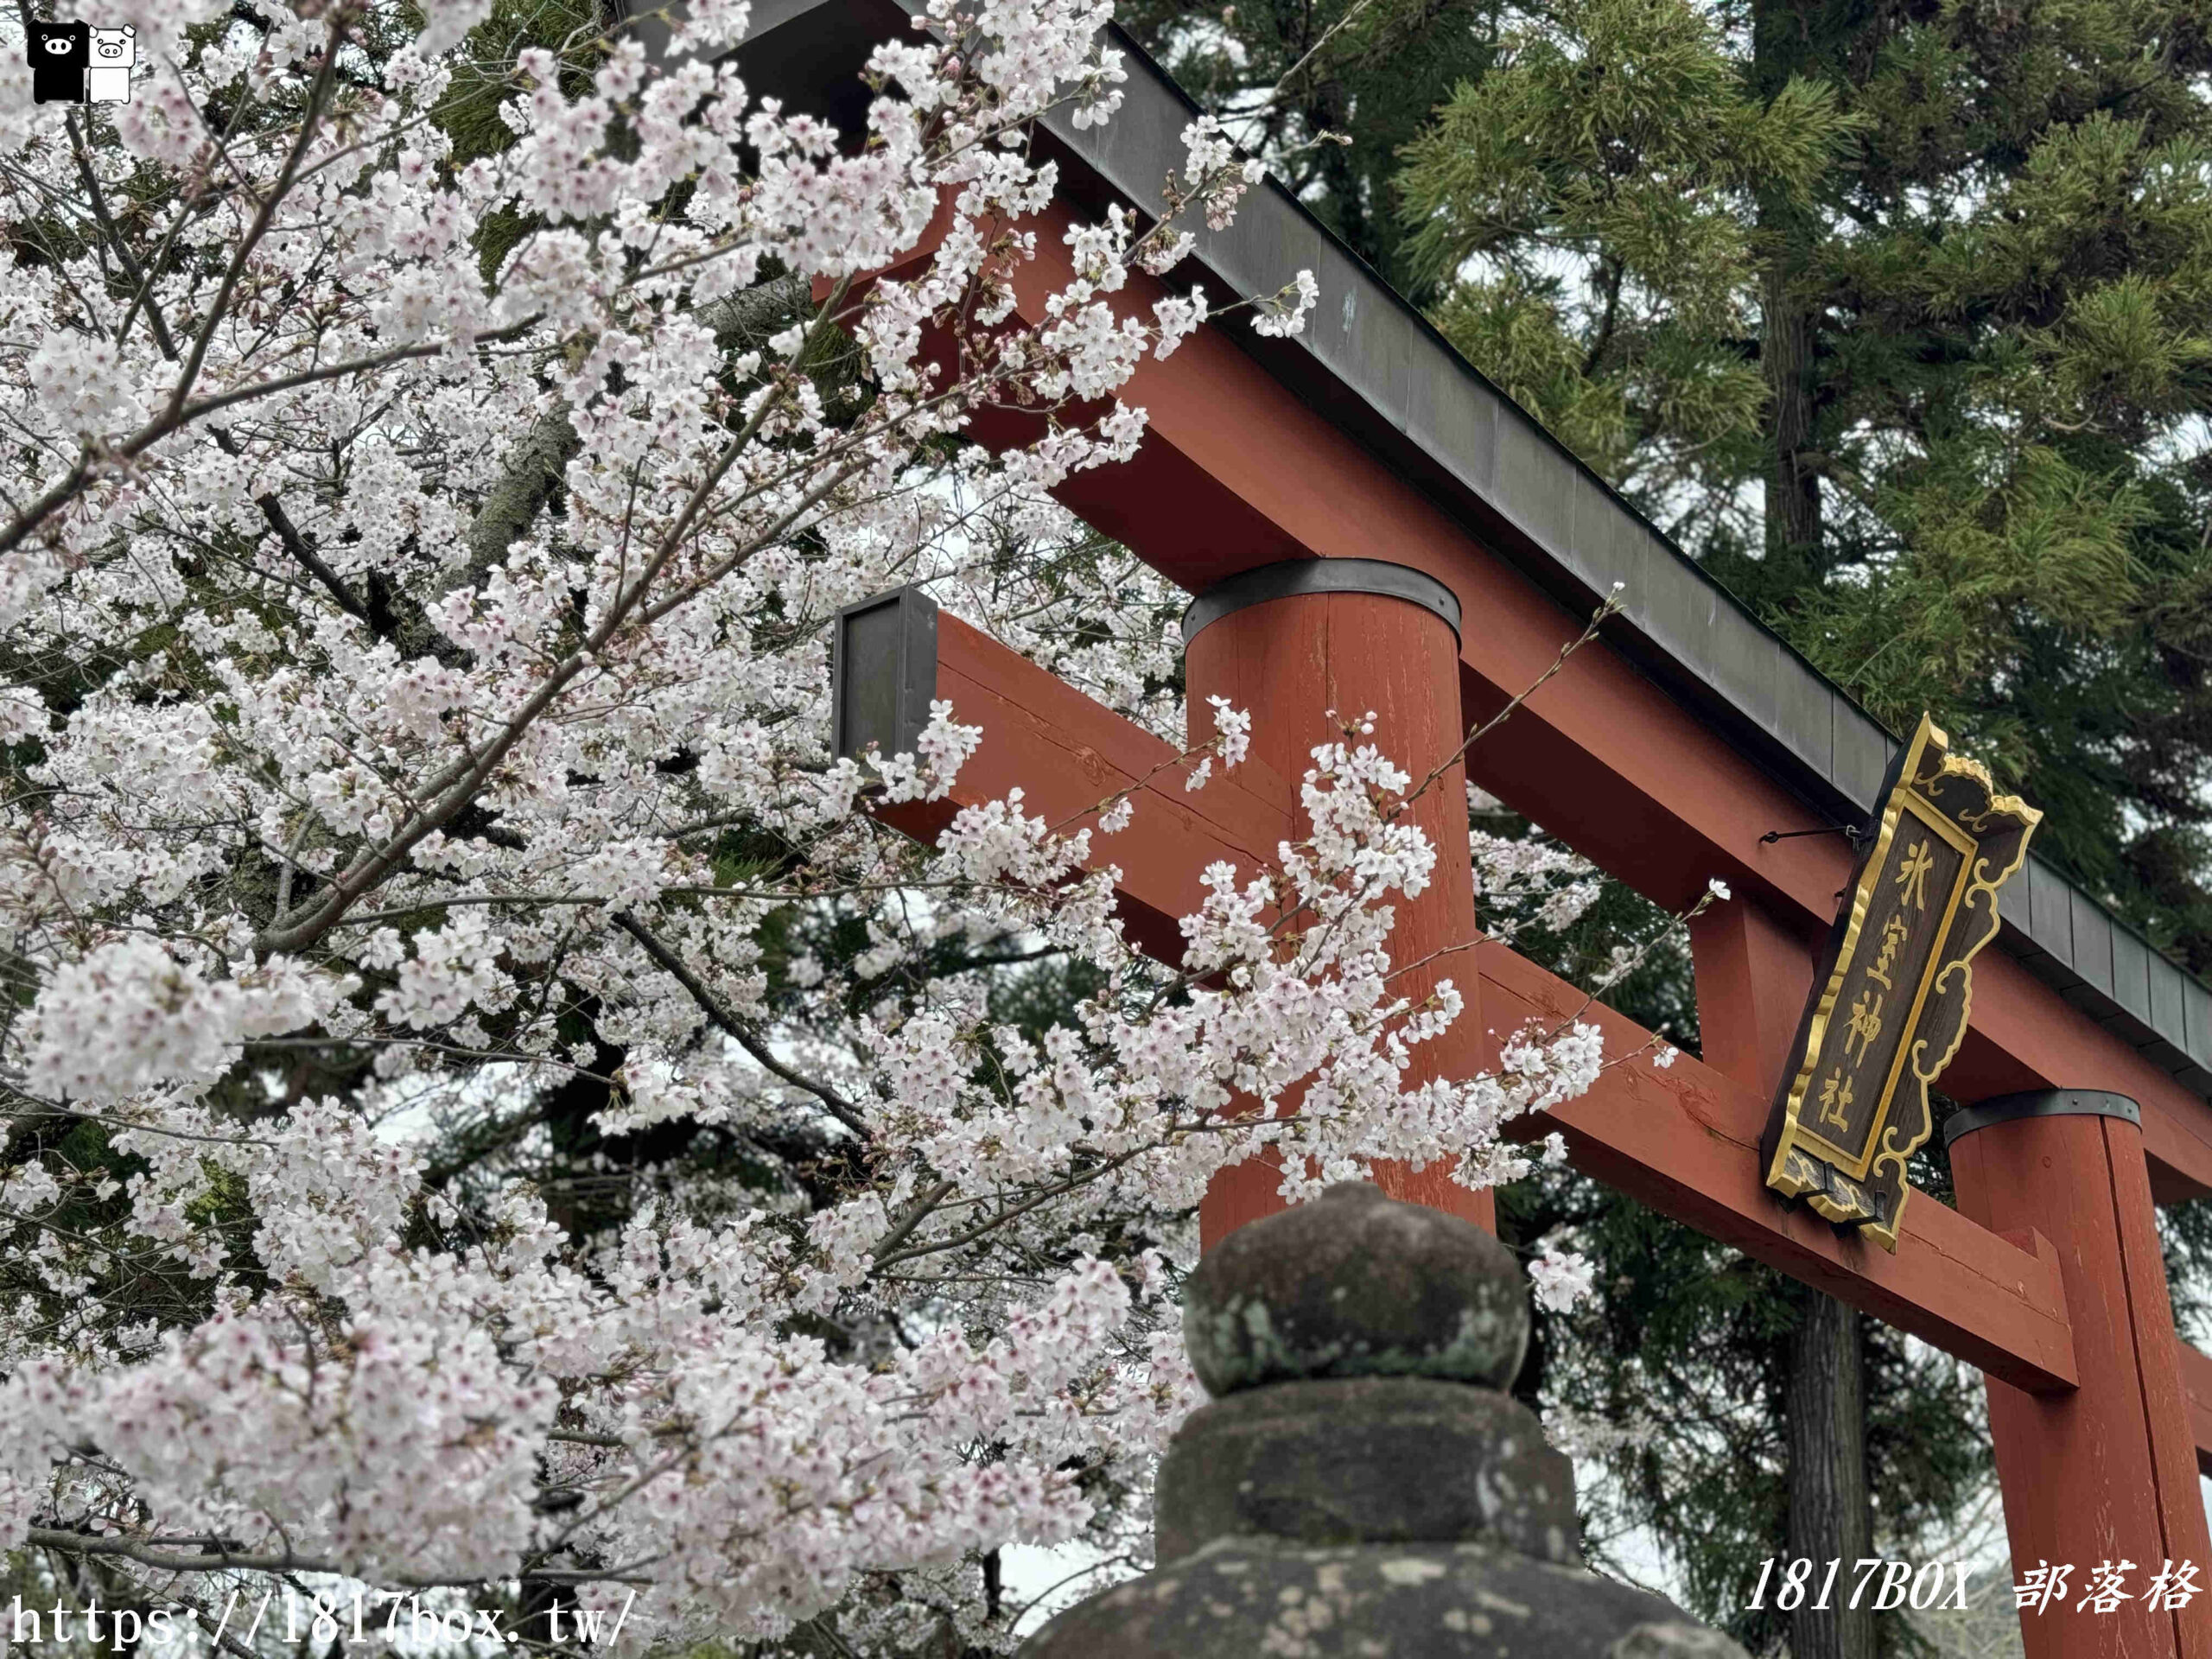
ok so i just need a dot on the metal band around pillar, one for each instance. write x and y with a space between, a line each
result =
2041 1103
1295 576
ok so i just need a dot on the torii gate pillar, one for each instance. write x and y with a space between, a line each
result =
2105 1472
1303 644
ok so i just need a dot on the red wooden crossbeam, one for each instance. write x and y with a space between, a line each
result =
1682 1138
1234 473
2093 1432
1068 753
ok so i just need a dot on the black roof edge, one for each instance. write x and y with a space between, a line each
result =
1375 368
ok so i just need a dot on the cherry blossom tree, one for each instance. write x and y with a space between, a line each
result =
492 1121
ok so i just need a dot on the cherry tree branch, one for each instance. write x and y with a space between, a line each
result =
725 1021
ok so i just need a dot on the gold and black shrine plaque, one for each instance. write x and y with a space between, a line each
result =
1890 996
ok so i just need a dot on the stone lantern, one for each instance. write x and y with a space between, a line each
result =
1362 1487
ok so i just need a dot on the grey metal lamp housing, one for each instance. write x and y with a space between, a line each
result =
882 673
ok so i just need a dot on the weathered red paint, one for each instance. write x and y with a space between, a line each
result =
1308 666
1069 755
2107 1471
1753 974
2196 1393
1682 1138
1235 472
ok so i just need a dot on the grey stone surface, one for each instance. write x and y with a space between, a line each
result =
1372 1517
1673 1641
1379 1458
1265 1599
1356 1285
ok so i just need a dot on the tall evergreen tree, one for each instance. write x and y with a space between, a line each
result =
1965 252
1890 313
1894 315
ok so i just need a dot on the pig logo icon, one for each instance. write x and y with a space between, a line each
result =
115 53
60 54
75 63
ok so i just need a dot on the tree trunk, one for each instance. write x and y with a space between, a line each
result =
1793 484
1831 1517
1791 37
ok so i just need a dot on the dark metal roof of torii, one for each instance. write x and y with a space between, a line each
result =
1370 364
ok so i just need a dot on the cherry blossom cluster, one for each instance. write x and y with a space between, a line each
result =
487 1105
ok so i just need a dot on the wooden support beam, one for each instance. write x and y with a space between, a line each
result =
1753 975
1068 754
1305 663
2109 1469
1233 473
1683 1139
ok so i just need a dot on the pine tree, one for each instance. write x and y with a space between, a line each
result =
1894 316
1587 210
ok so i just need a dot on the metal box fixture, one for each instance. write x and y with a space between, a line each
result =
882 673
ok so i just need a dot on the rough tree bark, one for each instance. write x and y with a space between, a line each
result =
536 467
1791 38
1831 1512
1793 485
1824 1390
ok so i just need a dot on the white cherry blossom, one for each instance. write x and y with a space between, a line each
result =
490 1107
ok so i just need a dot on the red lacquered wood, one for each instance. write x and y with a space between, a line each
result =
1753 974
1234 473
1068 753
2109 1469
1304 667
1682 1138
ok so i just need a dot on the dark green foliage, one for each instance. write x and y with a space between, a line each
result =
1895 316
469 110
1585 211
468 113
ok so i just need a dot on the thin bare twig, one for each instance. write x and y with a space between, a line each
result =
748 1038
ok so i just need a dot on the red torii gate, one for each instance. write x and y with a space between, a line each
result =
2048 1278
1666 755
